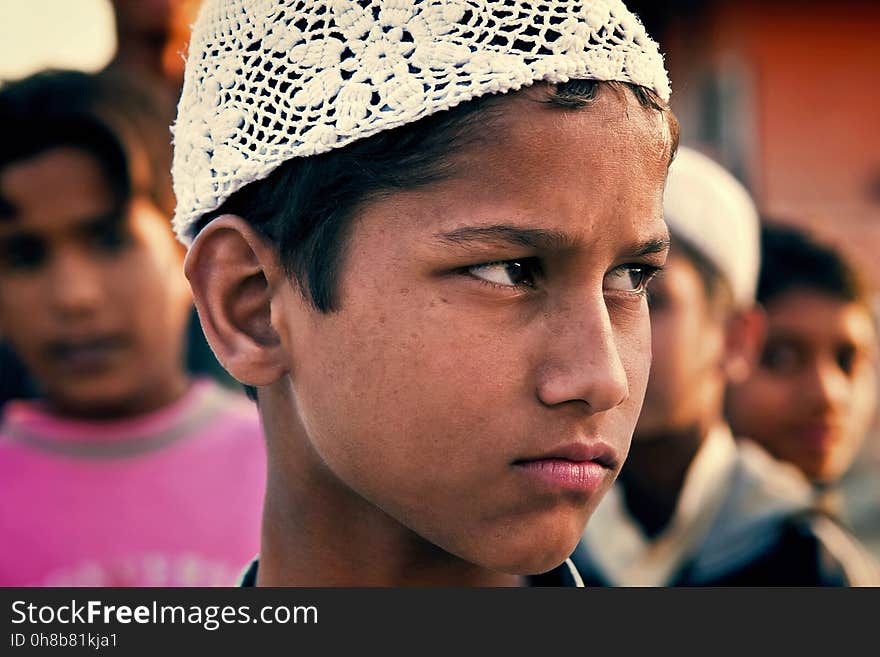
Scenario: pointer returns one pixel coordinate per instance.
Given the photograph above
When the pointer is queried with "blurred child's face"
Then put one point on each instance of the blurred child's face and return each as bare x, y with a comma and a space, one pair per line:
92, 296
812, 397
688, 338
482, 378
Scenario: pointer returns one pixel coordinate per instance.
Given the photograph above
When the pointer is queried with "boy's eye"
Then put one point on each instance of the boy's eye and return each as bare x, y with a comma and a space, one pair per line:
25, 252
846, 358
630, 278
109, 238
508, 273
781, 357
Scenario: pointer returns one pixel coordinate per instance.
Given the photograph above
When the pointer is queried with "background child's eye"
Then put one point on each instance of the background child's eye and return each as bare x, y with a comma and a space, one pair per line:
23, 253
846, 358
781, 357
629, 278
509, 273
109, 238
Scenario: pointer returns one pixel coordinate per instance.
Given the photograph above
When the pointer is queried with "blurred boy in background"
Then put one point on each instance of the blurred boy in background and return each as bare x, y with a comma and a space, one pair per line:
692, 506
126, 472
813, 395
151, 41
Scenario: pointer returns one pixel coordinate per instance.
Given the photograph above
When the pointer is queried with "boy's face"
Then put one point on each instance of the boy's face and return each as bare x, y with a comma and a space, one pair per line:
482, 378
93, 302
812, 397
688, 341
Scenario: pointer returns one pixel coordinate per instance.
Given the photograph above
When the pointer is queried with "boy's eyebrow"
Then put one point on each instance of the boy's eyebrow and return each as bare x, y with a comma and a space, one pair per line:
102, 221
86, 226
653, 245
799, 340
536, 238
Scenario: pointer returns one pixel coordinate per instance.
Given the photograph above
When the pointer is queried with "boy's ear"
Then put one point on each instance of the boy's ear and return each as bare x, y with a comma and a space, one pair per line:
744, 341
233, 273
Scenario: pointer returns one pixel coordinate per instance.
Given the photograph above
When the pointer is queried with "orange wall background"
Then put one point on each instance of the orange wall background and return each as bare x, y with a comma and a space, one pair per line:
813, 119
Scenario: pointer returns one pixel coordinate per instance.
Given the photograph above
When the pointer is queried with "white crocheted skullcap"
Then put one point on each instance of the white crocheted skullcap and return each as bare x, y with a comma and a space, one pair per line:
271, 80
706, 206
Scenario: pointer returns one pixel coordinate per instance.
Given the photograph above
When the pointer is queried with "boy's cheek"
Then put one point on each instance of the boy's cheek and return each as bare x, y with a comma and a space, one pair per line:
21, 324
635, 347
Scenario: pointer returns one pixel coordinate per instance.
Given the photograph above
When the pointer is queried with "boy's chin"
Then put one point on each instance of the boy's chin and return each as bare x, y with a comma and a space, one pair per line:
536, 565
532, 546
524, 560
527, 567
93, 399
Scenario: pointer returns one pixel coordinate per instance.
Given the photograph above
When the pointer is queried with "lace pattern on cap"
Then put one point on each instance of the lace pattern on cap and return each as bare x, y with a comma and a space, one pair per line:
270, 80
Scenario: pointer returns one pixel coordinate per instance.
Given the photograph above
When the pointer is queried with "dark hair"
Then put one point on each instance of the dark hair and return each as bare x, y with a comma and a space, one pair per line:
104, 115
305, 206
792, 259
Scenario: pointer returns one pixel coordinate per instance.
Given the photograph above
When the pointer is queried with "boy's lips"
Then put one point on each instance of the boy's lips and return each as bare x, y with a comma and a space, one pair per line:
818, 436
574, 467
84, 355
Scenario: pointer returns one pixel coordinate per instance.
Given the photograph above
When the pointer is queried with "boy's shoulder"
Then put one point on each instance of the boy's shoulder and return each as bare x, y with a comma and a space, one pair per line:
232, 404
770, 532
220, 411
208, 410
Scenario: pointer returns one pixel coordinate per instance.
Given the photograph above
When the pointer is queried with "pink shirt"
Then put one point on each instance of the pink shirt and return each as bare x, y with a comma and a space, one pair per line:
172, 498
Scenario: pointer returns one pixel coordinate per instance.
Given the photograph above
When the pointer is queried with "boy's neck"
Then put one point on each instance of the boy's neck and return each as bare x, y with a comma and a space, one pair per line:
654, 476
147, 401
309, 540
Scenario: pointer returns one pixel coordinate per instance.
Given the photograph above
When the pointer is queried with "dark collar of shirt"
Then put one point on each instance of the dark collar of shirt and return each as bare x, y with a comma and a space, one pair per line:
565, 574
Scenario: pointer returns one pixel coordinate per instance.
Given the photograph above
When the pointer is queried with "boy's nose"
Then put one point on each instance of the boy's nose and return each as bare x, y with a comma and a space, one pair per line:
75, 285
584, 363
825, 385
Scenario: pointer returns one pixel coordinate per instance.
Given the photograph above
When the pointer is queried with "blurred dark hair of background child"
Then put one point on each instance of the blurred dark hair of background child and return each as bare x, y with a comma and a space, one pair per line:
125, 471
